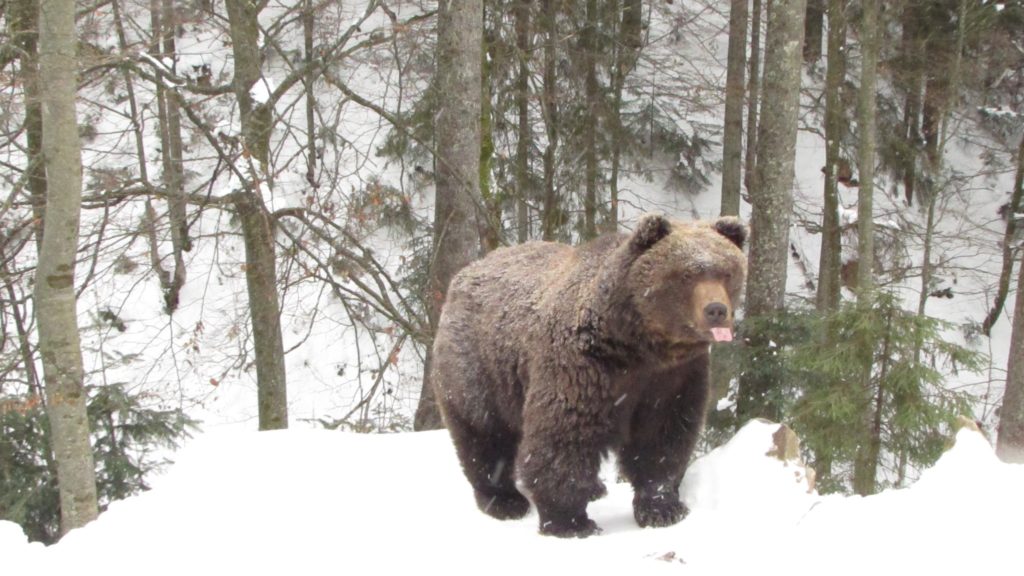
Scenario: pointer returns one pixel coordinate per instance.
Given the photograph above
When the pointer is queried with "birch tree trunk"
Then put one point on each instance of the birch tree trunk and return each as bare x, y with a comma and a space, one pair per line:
56, 312
735, 89
771, 194
458, 219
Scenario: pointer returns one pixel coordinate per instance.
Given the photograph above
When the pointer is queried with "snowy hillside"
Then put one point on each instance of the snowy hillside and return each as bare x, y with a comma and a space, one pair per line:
312, 502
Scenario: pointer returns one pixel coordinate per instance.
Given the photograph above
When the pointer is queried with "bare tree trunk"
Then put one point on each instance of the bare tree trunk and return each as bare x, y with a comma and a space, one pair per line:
257, 117
492, 201
771, 193
56, 313
552, 216
264, 311
814, 27
589, 45
913, 77
308, 24
627, 51
524, 137
735, 88
1010, 445
831, 245
753, 92
866, 462
1012, 209
23, 16
257, 229
458, 221
174, 170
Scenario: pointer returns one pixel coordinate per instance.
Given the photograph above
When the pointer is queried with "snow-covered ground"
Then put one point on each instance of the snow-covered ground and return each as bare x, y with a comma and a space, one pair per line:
306, 501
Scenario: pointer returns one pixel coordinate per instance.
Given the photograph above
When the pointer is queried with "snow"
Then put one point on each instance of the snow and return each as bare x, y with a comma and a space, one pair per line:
317, 501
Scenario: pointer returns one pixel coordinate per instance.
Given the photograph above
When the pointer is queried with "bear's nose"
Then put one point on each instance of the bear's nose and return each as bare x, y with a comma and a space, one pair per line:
716, 313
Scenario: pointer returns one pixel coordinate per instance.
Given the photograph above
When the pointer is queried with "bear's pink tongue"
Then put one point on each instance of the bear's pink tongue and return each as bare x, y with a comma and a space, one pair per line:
721, 334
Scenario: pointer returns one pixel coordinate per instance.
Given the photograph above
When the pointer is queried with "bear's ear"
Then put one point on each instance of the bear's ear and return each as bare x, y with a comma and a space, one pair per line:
652, 227
733, 229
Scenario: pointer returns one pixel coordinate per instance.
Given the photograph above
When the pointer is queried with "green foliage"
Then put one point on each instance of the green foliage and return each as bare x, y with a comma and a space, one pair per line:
814, 364
125, 432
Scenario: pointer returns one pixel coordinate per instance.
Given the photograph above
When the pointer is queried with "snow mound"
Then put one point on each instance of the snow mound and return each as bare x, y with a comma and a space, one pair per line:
317, 501
748, 473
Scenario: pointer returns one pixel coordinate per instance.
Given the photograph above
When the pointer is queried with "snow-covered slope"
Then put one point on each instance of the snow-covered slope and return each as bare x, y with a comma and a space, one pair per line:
322, 502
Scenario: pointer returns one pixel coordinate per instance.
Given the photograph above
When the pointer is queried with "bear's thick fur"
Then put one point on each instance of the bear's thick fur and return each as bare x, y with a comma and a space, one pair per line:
548, 356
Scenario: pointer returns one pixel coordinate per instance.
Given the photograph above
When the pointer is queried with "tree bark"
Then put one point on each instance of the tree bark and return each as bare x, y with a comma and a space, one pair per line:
256, 117
524, 136
753, 93
771, 193
912, 79
23, 16
589, 45
458, 221
264, 311
1012, 209
308, 26
831, 245
866, 462
776, 144
174, 169
552, 216
56, 313
735, 89
257, 229
628, 49
1010, 445
814, 27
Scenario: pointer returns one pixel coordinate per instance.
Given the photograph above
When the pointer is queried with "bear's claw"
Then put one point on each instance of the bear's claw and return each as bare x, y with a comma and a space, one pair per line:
503, 506
658, 512
574, 528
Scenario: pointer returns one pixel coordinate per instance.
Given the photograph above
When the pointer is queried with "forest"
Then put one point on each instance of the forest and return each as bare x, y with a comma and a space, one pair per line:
247, 213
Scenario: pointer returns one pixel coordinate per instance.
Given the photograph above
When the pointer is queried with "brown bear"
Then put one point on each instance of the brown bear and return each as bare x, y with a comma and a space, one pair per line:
547, 357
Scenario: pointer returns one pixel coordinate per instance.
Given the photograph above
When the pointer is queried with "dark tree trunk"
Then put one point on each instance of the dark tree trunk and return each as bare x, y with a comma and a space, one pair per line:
628, 49
591, 88
835, 129
1012, 209
23, 18
753, 92
524, 136
866, 460
814, 27
552, 216
257, 229
735, 89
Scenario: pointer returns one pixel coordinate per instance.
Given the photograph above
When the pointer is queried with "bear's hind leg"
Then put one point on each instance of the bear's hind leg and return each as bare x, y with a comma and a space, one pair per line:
488, 460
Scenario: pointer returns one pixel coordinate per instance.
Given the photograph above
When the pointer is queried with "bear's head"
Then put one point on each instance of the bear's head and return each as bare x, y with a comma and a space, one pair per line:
683, 283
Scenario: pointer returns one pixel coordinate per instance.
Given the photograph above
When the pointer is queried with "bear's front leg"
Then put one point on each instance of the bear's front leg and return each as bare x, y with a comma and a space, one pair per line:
663, 434
561, 477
